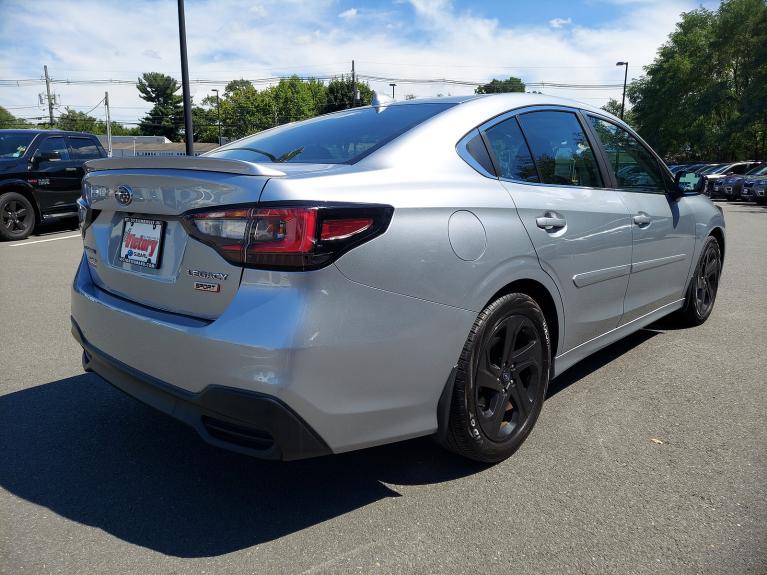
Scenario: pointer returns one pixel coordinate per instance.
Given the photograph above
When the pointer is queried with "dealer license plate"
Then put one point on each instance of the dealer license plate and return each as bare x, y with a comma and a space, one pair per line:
142, 242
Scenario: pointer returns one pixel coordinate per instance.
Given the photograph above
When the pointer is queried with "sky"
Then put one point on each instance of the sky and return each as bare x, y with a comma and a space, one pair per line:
549, 41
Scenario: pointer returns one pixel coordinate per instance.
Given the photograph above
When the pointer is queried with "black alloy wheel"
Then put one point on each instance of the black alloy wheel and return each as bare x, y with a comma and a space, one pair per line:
507, 377
500, 380
704, 285
17, 217
707, 280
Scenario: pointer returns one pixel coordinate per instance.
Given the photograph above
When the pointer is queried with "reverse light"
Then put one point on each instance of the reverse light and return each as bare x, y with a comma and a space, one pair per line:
287, 237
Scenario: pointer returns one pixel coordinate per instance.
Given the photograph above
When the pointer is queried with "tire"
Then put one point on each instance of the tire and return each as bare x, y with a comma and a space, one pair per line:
701, 293
501, 380
17, 217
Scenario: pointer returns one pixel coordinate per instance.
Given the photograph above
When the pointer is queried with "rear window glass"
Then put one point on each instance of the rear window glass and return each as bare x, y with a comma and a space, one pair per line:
340, 138
511, 152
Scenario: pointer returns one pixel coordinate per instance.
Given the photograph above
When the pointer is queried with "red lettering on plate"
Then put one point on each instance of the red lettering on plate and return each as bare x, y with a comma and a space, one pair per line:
140, 243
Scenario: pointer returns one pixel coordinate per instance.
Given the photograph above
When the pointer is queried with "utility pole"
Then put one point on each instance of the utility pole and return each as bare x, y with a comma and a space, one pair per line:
354, 87
48, 92
625, 78
218, 114
109, 126
188, 132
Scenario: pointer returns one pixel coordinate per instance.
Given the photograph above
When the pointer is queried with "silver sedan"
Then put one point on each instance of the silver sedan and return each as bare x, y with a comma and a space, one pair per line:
386, 272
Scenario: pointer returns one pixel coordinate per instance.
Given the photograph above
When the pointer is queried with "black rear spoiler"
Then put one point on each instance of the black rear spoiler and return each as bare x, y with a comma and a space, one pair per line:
197, 163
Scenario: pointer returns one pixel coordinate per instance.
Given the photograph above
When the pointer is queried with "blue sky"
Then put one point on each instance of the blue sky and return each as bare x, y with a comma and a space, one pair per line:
469, 40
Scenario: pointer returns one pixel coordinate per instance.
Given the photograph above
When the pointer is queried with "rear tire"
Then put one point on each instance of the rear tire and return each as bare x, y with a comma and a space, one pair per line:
701, 293
17, 217
501, 380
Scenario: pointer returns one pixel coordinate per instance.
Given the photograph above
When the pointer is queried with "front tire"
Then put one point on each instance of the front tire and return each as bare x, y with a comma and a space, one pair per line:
501, 380
17, 217
701, 293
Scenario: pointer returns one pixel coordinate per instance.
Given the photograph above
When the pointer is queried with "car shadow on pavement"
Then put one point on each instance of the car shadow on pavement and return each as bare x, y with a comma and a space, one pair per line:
600, 359
95, 456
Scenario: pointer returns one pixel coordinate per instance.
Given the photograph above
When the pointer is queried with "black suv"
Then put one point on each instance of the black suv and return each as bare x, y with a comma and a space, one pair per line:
40, 176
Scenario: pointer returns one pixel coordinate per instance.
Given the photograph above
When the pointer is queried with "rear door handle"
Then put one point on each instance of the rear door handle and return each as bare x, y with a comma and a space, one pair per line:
642, 219
550, 221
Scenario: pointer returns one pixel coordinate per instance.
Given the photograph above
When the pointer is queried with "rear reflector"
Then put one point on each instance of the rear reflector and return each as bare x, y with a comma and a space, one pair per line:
290, 237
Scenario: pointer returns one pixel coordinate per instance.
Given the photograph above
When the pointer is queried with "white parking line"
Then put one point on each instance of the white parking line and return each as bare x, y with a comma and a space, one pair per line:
41, 241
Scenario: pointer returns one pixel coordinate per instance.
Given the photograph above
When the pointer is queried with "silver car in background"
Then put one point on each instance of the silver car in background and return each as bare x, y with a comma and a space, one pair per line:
386, 272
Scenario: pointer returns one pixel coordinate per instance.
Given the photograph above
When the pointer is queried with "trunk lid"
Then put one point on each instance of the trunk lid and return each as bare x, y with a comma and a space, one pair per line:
136, 206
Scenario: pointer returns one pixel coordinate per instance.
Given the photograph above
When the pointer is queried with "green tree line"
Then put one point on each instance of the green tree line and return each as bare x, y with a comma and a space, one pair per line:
704, 97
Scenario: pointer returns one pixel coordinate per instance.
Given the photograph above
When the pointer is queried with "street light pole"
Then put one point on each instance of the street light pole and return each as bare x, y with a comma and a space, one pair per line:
188, 132
218, 113
625, 78
392, 90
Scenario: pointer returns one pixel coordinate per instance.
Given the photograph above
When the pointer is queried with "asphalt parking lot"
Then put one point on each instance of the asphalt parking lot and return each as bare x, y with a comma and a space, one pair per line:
650, 457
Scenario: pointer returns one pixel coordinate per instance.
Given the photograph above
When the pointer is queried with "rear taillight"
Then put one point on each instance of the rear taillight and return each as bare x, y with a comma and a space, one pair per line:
287, 237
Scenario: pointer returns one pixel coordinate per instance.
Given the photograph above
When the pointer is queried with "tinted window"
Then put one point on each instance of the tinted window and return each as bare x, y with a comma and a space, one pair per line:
635, 167
55, 148
84, 148
478, 151
741, 169
14, 145
343, 137
560, 149
511, 152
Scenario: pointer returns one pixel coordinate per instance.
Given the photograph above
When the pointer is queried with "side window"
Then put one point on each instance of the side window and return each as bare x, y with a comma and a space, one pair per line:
741, 169
511, 152
636, 169
83, 148
478, 151
53, 149
560, 148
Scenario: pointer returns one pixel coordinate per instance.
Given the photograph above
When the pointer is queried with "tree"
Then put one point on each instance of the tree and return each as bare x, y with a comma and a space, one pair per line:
341, 94
9, 121
76, 121
495, 86
166, 116
696, 99
613, 107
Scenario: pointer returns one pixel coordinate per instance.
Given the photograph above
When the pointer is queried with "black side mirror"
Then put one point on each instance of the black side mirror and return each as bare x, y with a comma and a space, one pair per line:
688, 182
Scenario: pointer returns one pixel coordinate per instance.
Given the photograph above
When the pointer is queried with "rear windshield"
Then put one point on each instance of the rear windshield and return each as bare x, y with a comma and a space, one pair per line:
14, 145
341, 138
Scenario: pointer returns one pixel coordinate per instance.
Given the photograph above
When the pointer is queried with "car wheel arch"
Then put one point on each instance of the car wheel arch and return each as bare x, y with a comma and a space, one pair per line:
718, 235
548, 302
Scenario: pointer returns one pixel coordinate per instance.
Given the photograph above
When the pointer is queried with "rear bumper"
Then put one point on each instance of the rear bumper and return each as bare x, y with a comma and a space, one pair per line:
235, 419
351, 366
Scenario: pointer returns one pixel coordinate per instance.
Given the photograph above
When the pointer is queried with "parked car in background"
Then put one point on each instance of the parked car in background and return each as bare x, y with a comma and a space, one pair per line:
714, 176
40, 177
386, 272
731, 187
754, 187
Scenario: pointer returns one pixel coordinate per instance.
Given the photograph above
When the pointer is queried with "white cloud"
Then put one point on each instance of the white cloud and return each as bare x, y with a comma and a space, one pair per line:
348, 14
230, 39
560, 22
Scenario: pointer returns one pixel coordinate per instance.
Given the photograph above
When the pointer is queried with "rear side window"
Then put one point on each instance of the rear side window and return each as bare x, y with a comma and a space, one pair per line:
511, 152
560, 149
84, 148
340, 138
636, 169
53, 149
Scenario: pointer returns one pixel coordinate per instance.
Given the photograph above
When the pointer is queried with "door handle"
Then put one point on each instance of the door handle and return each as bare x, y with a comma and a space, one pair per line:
550, 221
71, 169
642, 219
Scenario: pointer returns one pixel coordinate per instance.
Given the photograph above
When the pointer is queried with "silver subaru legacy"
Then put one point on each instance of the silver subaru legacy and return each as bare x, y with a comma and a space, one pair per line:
386, 272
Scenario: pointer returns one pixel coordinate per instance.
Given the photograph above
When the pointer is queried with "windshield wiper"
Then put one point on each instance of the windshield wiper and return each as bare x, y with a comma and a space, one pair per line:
287, 156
